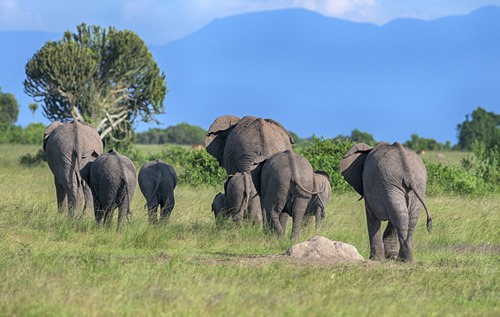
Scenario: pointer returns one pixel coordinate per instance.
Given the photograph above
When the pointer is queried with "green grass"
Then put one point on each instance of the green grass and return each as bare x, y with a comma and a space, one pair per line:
54, 266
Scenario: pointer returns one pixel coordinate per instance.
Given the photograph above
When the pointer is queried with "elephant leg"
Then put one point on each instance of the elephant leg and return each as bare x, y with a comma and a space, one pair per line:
375, 236
166, 208
320, 214
283, 220
88, 200
390, 241
98, 213
62, 203
298, 210
75, 197
275, 221
399, 217
153, 213
123, 211
108, 215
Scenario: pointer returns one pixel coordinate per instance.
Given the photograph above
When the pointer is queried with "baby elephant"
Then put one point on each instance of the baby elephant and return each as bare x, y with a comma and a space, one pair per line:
240, 200
112, 179
157, 181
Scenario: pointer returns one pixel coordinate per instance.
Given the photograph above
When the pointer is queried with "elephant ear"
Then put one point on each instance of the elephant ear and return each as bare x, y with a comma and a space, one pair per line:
85, 172
54, 125
282, 127
215, 140
352, 164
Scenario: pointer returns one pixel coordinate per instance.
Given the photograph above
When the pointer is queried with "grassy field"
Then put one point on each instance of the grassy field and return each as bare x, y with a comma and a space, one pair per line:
51, 265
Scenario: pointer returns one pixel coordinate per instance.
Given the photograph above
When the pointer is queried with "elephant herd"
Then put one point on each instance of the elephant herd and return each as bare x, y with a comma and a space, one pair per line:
267, 182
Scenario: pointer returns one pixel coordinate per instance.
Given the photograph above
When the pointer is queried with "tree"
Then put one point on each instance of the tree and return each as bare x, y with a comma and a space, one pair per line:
484, 127
107, 78
363, 137
417, 143
33, 108
183, 133
9, 109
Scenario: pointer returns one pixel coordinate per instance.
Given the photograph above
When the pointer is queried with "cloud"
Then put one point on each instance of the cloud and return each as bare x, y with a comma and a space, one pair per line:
14, 17
338, 8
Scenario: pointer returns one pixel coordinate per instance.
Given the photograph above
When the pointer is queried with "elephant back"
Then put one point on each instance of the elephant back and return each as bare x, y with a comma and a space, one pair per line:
252, 141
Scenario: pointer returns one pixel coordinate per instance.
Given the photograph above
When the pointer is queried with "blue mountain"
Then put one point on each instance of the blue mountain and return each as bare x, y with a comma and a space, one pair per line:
325, 76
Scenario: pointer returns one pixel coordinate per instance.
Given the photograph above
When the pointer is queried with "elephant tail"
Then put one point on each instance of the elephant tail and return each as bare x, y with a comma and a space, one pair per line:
157, 185
296, 178
429, 219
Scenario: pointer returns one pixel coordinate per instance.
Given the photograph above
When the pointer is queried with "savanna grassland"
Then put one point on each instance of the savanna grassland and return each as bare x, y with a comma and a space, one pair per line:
51, 265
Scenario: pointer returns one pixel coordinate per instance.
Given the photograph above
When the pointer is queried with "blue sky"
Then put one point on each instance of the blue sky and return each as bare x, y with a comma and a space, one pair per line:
161, 21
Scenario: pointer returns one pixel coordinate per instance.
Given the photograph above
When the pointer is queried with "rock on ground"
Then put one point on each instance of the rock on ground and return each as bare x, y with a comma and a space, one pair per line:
319, 247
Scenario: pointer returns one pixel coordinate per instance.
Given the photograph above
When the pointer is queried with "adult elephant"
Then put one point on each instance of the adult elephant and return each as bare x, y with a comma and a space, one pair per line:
288, 185
240, 144
157, 181
69, 148
392, 179
112, 179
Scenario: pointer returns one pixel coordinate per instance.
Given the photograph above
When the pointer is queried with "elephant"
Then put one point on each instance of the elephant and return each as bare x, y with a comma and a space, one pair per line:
242, 200
392, 180
69, 148
241, 144
288, 188
317, 205
219, 206
112, 179
157, 181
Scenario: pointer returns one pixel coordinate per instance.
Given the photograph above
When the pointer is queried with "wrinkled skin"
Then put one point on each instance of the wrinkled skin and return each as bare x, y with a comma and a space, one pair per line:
287, 188
392, 179
157, 181
240, 145
112, 178
69, 148
242, 200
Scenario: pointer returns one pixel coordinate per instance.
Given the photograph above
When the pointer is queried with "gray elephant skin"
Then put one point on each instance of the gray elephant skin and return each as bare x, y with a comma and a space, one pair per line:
112, 178
69, 148
241, 199
157, 181
392, 179
219, 207
288, 189
241, 144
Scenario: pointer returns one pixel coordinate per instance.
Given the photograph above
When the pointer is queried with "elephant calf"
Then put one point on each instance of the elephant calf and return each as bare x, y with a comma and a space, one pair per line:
112, 180
290, 186
392, 179
157, 181
240, 200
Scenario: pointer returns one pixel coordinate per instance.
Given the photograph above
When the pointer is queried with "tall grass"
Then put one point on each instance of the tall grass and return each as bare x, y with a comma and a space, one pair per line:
51, 265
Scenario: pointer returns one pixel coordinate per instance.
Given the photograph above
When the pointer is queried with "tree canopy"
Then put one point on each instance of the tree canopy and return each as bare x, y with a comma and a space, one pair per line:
9, 109
363, 137
182, 133
481, 126
104, 77
417, 143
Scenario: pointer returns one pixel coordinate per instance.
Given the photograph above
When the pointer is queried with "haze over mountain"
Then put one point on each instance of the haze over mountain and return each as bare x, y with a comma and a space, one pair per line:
318, 75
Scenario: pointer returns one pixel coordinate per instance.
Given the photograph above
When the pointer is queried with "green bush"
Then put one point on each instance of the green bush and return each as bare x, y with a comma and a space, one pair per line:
451, 179
33, 159
174, 155
200, 168
485, 163
325, 155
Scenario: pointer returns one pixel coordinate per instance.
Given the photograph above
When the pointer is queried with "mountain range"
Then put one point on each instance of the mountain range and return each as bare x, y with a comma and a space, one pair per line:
315, 74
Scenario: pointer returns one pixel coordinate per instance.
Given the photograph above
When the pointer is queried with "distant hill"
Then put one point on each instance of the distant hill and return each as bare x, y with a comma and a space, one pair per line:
325, 76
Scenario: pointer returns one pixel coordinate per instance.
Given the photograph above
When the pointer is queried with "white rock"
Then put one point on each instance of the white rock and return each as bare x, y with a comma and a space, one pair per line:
319, 247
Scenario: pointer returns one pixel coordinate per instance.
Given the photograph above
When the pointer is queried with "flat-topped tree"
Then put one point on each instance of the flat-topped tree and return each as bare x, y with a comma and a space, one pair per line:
104, 77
